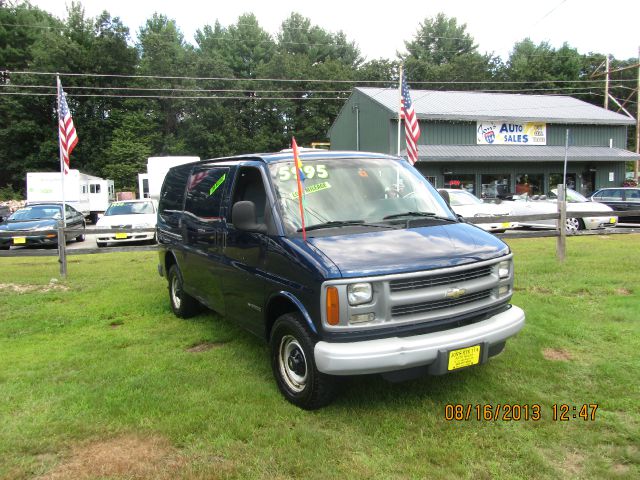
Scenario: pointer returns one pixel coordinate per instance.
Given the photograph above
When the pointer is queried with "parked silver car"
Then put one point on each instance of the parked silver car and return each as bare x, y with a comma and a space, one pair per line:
531, 205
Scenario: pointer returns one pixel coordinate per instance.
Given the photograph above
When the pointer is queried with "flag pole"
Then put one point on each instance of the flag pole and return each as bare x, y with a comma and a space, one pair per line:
399, 127
299, 173
399, 108
64, 209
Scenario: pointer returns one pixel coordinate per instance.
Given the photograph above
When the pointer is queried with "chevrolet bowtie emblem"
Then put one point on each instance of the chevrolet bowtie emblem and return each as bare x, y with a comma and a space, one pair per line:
455, 293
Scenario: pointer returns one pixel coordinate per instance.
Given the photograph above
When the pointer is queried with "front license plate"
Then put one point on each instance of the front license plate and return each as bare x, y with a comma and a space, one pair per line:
505, 224
19, 240
612, 220
121, 235
464, 357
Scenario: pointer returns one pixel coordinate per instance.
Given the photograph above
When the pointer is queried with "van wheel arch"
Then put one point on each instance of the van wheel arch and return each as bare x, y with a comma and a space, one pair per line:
169, 260
282, 304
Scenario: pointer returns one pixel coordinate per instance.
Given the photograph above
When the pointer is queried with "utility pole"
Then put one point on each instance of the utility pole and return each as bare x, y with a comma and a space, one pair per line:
606, 84
637, 162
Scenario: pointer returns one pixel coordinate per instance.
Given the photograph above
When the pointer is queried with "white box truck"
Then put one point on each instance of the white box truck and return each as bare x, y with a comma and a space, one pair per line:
149, 183
88, 194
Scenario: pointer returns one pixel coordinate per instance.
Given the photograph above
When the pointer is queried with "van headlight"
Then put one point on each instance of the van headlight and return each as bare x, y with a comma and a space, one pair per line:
504, 269
359, 293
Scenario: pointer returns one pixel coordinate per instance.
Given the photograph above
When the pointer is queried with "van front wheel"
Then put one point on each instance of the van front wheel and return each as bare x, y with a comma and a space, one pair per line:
182, 304
294, 366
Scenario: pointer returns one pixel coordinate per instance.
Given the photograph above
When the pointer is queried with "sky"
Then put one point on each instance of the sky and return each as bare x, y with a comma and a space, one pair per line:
380, 31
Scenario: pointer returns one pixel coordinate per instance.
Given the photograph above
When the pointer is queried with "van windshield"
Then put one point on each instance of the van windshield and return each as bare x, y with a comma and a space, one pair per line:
368, 190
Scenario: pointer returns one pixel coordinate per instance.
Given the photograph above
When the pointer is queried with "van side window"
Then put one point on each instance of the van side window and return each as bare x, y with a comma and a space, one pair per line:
249, 186
172, 197
205, 189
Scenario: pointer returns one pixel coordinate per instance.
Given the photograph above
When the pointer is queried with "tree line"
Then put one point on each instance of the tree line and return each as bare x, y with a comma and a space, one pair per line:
237, 89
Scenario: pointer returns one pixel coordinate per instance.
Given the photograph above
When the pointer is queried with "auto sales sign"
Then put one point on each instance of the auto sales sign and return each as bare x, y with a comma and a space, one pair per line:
504, 133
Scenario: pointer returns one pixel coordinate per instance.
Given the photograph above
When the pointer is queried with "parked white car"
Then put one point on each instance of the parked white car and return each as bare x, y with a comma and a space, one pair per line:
526, 205
468, 205
128, 214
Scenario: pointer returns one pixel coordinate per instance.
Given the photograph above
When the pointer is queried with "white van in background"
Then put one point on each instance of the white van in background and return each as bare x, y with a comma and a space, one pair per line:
150, 183
89, 194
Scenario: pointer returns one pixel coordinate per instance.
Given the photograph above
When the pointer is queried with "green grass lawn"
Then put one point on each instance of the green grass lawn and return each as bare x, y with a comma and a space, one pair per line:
99, 380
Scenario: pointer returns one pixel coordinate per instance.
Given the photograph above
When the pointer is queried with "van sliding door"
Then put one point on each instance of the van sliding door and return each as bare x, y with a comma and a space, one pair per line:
202, 226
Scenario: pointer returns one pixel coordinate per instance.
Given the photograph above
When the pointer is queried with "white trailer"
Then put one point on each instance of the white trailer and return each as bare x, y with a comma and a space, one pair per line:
88, 194
150, 183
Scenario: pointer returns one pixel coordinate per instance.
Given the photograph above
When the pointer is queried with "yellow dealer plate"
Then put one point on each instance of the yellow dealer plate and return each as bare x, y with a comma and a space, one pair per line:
464, 357
19, 240
121, 235
612, 220
505, 224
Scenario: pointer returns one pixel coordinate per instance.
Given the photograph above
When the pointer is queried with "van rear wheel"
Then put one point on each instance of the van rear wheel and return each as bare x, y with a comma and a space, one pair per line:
294, 366
182, 304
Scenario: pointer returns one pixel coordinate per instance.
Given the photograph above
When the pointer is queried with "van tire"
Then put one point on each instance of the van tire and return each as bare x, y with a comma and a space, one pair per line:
182, 304
294, 367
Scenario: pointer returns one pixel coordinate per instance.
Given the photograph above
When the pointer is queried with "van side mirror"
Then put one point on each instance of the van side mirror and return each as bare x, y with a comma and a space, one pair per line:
445, 195
243, 216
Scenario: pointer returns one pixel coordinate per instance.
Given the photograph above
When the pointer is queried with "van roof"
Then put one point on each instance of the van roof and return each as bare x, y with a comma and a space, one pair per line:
304, 154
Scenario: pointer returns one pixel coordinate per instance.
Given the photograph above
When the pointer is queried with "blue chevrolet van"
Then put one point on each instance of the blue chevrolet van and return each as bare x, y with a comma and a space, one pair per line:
387, 281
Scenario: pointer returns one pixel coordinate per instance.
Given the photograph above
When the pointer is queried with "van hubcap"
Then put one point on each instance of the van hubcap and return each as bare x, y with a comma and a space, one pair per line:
175, 291
292, 363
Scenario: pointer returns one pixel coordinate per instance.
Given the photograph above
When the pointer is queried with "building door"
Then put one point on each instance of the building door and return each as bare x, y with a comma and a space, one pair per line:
588, 182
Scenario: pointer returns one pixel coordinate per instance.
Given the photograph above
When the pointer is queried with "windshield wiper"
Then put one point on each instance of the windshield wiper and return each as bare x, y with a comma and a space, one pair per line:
409, 214
418, 214
343, 223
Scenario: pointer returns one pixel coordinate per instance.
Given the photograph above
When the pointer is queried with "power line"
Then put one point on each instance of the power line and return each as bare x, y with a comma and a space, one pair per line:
307, 80
203, 90
309, 91
549, 12
178, 97
256, 98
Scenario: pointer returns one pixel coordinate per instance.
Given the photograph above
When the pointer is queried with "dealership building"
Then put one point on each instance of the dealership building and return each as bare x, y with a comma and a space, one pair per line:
493, 143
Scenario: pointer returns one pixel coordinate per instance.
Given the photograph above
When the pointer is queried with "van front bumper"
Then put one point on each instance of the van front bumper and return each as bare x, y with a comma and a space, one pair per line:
399, 353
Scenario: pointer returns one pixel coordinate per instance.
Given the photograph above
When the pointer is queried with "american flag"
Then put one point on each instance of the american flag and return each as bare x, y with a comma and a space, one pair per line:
68, 136
411, 127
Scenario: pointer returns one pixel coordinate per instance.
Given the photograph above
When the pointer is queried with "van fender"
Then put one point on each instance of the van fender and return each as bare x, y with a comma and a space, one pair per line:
303, 311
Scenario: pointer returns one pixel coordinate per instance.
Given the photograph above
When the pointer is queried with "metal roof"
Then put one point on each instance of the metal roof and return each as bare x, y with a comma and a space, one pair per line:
474, 106
518, 153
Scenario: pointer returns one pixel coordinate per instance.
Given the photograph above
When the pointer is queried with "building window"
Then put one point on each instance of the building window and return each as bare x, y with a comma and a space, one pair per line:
495, 186
463, 181
555, 179
529, 184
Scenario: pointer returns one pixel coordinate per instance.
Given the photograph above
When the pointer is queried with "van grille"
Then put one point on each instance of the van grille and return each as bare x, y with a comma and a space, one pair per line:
443, 279
423, 307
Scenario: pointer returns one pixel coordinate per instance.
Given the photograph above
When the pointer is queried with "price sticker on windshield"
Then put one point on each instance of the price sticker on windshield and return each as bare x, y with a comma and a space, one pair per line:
286, 173
312, 189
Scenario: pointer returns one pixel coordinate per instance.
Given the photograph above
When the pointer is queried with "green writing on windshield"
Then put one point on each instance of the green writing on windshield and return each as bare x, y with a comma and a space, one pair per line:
217, 184
312, 189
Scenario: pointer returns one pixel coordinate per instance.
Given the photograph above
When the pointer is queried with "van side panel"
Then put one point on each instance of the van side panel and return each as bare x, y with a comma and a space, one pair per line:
170, 207
203, 230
